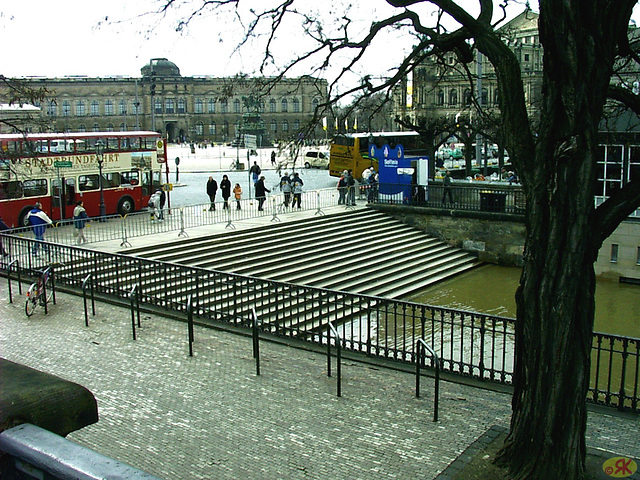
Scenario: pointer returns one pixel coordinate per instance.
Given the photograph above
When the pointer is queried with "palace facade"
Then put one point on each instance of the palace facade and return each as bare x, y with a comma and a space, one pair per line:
195, 109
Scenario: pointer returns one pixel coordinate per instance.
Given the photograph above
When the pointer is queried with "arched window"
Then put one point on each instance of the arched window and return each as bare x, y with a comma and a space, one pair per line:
440, 100
296, 105
122, 107
453, 96
224, 106
170, 106
315, 102
108, 107
274, 126
212, 128
95, 108
296, 125
66, 109
467, 96
96, 127
110, 127
158, 105
485, 96
82, 127
212, 105
80, 110
272, 105
199, 128
285, 126
52, 108
236, 106
285, 105
182, 106
123, 127
199, 106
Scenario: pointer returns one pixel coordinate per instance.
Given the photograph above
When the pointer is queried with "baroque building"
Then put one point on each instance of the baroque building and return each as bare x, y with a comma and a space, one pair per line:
196, 109
446, 88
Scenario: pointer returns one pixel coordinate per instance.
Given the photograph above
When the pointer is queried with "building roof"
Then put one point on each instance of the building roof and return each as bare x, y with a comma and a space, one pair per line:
160, 67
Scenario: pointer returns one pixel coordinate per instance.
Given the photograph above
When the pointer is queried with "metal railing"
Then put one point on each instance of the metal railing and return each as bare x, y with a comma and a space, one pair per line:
180, 219
475, 196
467, 343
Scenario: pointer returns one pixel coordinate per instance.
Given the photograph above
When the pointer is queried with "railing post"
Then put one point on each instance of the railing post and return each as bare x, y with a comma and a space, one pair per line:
256, 340
84, 297
9, 270
420, 345
123, 223
182, 232
133, 297
190, 324
621, 395
330, 329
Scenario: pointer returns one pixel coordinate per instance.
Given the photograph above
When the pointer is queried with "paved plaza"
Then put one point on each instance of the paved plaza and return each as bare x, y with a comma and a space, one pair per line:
211, 417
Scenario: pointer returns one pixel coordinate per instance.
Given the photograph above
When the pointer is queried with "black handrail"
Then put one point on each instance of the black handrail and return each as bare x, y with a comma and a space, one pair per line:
330, 329
87, 280
421, 346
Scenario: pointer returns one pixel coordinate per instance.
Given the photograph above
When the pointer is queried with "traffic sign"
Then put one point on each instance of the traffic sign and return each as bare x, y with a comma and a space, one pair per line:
66, 164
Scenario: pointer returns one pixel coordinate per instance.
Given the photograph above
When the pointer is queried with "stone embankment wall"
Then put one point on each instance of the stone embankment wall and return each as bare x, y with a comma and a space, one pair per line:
495, 237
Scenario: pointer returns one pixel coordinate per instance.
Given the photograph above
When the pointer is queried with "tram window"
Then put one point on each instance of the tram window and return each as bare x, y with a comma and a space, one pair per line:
111, 180
70, 189
10, 190
34, 188
130, 178
88, 182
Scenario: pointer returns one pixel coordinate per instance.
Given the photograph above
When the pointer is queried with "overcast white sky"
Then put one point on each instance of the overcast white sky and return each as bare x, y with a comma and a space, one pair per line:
62, 37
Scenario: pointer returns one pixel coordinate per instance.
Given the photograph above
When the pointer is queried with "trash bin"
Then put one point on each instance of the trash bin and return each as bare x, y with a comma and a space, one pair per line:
492, 201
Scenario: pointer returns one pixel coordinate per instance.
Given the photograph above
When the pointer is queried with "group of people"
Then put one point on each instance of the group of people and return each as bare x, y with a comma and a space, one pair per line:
292, 184
225, 191
346, 188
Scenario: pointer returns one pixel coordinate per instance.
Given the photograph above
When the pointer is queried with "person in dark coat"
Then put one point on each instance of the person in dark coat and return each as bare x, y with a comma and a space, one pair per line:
225, 188
3, 226
212, 189
261, 193
163, 200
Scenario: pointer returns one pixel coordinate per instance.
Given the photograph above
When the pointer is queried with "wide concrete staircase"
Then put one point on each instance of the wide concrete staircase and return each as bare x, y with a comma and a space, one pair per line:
361, 251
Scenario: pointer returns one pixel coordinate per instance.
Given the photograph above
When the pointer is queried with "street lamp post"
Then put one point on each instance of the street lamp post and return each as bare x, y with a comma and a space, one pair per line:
100, 157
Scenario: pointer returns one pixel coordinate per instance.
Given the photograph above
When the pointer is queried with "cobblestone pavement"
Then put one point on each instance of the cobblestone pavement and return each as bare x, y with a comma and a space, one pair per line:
211, 417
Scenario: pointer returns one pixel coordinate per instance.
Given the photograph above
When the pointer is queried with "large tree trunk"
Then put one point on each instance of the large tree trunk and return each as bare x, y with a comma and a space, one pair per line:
555, 300
554, 330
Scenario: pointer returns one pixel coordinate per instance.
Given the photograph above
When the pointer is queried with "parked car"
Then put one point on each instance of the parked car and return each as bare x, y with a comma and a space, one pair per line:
316, 159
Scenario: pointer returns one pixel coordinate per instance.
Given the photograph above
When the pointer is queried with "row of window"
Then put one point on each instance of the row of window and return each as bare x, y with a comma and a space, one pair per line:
466, 97
166, 106
615, 250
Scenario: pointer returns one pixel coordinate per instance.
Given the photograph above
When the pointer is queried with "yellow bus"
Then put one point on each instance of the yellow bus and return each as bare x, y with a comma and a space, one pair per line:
351, 151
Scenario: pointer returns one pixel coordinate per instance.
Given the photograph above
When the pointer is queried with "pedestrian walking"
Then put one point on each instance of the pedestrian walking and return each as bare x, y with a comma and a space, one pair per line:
237, 193
225, 189
80, 221
342, 188
273, 158
446, 188
212, 189
255, 172
261, 193
296, 187
285, 187
154, 205
38, 221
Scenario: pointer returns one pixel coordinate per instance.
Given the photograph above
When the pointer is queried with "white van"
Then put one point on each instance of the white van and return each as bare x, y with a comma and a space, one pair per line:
316, 159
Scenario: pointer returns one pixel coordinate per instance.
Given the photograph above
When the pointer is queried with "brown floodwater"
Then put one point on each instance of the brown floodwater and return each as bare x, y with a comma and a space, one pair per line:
491, 289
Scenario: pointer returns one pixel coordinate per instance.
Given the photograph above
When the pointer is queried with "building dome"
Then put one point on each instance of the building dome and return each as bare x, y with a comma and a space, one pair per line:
160, 67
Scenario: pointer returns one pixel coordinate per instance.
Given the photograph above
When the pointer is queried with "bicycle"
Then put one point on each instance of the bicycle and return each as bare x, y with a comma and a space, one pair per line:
39, 293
